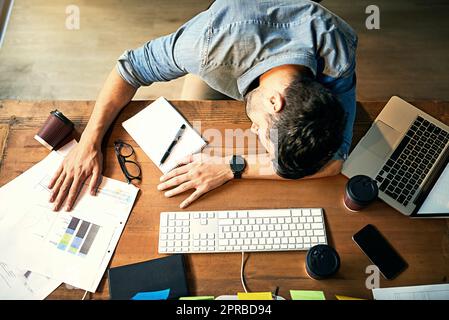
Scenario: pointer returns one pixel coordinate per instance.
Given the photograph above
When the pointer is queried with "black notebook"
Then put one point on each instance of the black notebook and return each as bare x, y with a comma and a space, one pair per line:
154, 275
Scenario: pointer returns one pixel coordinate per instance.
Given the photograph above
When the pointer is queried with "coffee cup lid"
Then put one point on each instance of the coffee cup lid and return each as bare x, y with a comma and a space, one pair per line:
362, 189
62, 117
322, 261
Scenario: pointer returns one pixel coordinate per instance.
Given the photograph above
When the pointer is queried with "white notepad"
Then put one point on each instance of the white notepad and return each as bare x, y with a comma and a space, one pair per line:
155, 127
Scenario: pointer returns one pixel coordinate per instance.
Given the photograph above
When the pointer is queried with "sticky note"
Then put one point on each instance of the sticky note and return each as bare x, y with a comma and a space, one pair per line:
198, 298
347, 298
152, 295
307, 295
255, 296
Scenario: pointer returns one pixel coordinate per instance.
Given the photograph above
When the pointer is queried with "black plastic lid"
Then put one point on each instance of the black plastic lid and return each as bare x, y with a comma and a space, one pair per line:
62, 117
322, 261
362, 189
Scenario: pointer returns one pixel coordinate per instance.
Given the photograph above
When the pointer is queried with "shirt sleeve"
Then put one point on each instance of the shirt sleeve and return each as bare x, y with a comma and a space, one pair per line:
345, 91
152, 62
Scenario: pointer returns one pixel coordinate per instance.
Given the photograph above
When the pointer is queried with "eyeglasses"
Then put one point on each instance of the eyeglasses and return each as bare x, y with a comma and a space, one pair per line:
131, 169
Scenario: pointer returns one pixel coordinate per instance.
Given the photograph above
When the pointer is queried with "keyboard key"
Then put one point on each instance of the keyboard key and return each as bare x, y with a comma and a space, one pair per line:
242, 214
223, 222
222, 215
296, 212
164, 220
273, 213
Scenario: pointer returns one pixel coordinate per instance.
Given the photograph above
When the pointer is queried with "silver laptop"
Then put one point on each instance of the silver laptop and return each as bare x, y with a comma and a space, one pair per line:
405, 151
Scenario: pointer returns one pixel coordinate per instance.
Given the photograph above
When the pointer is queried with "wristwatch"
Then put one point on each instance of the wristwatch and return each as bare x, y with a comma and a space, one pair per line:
238, 165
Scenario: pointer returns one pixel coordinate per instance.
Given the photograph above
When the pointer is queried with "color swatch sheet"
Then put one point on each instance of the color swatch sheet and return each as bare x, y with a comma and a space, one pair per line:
72, 247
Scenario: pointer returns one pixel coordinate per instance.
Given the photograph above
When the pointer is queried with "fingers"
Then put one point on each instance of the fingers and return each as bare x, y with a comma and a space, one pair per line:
57, 186
94, 182
176, 172
63, 191
176, 181
73, 193
180, 189
55, 177
186, 160
198, 193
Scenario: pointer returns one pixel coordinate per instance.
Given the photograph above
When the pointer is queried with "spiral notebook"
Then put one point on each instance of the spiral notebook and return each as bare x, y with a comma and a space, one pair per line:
154, 128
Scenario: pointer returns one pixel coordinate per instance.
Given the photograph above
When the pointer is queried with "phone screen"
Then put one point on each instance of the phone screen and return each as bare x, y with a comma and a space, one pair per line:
379, 251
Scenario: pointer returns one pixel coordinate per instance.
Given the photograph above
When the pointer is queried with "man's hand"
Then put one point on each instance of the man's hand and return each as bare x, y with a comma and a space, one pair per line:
83, 162
200, 172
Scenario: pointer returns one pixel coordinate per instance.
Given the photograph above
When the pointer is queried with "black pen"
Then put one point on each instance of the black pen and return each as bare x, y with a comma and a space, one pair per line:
173, 143
276, 293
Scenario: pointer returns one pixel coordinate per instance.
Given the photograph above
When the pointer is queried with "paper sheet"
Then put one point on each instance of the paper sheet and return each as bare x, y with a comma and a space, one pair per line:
426, 292
346, 298
154, 128
152, 295
70, 247
438, 199
307, 295
18, 284
255, 296
198, 298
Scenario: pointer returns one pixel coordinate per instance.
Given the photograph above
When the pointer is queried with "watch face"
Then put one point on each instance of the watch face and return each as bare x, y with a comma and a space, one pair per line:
237, 164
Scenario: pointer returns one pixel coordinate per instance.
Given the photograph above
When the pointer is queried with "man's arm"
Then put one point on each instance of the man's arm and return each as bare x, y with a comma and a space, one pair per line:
204, 173
85, 160
154, 61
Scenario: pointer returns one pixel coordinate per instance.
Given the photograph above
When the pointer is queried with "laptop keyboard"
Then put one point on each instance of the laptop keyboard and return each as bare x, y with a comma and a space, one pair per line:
410, 162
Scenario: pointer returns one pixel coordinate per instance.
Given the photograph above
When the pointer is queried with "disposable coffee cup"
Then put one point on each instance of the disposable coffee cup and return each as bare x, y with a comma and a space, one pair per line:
55, 129
322, 261
360, 191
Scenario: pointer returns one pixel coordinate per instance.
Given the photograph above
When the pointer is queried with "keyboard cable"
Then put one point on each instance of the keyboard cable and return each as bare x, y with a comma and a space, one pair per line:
242, 276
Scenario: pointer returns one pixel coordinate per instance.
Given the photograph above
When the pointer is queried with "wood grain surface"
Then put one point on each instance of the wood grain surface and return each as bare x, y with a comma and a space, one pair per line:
423, 243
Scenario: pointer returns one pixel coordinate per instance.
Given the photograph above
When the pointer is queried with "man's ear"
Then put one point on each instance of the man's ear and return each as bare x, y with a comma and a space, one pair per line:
277, 102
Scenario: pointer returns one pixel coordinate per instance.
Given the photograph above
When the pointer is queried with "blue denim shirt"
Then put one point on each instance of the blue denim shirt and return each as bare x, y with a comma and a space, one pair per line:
235, 41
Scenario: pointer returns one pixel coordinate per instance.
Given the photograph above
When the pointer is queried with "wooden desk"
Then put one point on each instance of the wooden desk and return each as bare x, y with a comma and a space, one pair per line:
423, 243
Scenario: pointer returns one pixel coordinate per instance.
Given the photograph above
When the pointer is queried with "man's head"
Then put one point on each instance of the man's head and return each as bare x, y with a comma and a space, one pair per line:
298, 121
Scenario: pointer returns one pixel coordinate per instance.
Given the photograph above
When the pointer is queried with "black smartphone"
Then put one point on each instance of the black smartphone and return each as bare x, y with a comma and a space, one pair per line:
380, 252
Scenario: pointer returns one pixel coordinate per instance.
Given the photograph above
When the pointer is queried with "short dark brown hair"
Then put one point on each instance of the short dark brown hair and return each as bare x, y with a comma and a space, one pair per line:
309, 129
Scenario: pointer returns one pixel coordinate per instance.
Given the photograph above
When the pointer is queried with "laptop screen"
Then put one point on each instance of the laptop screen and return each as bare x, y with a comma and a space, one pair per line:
437, 202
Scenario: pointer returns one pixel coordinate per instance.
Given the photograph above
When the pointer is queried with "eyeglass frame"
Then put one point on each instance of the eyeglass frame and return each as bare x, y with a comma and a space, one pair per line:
122, 160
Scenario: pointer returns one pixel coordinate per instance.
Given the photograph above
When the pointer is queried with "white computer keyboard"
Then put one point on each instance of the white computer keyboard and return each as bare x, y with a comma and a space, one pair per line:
242, 230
